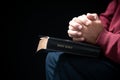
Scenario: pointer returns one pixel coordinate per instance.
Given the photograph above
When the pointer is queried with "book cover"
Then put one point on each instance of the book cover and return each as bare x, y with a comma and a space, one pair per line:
68, 46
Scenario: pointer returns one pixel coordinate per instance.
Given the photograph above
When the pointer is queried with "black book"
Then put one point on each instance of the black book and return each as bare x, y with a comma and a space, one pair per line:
68, 46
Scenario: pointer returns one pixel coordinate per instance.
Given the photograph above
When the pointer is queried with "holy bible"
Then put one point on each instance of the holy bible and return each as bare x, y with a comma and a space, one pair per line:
68, 46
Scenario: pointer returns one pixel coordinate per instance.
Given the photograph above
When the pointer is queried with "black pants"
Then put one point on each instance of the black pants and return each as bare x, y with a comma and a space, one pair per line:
61, 66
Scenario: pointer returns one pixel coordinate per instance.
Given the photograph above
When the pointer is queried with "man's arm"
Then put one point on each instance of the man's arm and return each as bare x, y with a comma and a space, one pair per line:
106, 17
110, 40
110, 43
94, 32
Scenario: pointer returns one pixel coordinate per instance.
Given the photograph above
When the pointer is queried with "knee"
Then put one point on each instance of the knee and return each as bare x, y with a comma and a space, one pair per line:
52, 58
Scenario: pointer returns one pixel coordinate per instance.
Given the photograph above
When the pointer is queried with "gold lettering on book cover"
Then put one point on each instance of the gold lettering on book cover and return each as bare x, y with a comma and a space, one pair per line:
67, 46
64, 46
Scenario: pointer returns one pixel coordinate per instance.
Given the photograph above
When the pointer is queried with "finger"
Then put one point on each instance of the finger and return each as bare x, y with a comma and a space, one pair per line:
84, 20
75, 34
71, 28
92, 16
75, 25
79, 39
75, 19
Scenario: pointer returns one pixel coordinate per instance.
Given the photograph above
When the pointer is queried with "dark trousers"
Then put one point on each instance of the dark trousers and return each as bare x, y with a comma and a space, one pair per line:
61, 66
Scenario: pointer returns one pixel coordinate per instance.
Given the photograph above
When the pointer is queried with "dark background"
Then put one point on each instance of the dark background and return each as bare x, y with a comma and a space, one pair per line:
28, 19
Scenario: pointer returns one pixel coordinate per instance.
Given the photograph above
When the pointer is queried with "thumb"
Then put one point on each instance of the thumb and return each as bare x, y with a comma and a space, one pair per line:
92, 16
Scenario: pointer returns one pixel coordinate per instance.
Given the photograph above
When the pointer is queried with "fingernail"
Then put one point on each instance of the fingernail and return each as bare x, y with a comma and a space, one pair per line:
82, 39
88, 23
80, 27
79, 33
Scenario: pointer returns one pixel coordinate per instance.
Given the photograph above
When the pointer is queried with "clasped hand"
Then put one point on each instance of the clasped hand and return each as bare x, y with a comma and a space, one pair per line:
85, 28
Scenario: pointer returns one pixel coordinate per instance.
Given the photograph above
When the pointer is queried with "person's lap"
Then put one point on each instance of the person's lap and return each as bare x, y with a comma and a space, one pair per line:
71, 67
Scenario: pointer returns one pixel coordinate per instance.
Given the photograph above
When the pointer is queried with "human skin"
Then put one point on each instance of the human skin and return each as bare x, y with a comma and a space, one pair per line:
85, 28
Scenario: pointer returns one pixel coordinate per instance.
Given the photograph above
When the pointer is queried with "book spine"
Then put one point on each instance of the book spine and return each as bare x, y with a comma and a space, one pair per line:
73, 48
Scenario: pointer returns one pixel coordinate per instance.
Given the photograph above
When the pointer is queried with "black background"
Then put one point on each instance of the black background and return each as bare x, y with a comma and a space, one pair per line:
28, 19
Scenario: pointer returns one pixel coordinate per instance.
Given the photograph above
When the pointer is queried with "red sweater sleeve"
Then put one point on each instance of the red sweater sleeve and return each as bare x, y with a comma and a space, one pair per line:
109, 38
110, 43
